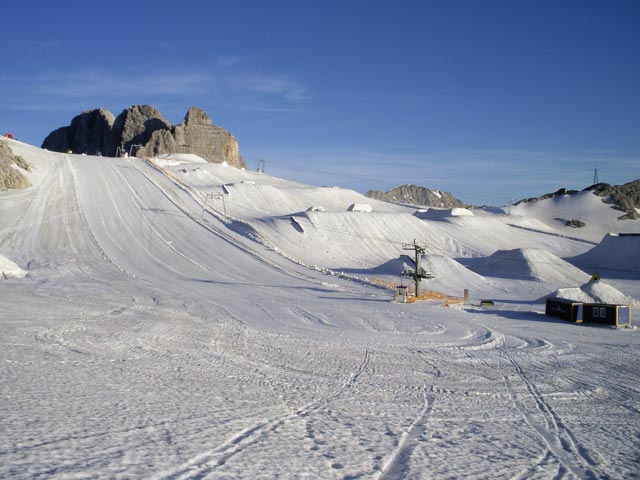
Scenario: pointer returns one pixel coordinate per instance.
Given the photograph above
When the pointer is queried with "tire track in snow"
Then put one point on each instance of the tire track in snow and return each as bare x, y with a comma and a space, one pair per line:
208, 461
558, 438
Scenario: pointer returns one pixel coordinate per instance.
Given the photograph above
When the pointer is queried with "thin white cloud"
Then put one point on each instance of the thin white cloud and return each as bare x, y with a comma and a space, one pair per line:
236, 89
229, 61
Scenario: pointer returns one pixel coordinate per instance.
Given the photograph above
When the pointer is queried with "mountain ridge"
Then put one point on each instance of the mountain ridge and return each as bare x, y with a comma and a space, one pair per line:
141, 129
625, 197
416, 195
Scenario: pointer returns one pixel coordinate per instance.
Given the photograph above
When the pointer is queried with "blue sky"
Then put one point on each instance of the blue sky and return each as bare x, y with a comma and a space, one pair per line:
490, 100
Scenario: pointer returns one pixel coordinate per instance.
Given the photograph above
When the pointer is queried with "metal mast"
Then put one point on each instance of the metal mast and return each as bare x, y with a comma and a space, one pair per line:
418, 273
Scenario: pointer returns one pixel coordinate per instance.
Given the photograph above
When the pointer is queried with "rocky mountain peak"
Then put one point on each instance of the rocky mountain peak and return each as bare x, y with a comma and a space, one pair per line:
136, 124
142, 130
418, 196
196, 116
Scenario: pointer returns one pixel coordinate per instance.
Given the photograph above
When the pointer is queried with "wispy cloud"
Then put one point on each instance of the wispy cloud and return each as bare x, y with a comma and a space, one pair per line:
229, 61
235, 88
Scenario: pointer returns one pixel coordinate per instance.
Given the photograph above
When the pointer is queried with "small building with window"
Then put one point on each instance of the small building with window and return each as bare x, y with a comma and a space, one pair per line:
564, 308
608, 314
575, 311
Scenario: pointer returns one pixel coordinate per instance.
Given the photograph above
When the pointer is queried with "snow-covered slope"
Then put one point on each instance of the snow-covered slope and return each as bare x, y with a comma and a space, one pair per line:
618, 255
352, 239
599, 217
530, 264
153, 338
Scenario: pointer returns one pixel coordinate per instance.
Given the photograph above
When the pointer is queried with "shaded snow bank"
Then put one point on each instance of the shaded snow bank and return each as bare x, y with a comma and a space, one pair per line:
529, 264
614, 252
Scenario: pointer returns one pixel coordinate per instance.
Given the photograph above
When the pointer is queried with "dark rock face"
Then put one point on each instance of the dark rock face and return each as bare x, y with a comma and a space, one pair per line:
89, 132
418, 196
58, 140
557, 193
142, 130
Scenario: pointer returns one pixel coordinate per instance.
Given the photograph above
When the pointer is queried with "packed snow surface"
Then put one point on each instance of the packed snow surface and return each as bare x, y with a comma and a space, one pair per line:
160, 336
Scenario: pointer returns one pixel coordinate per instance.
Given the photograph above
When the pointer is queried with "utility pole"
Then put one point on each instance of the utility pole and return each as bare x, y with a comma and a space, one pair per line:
595, 176
216, 196
418, 273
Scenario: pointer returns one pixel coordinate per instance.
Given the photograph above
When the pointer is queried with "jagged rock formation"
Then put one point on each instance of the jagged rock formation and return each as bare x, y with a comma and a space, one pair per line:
557, 193
135, 126
196, 134
11, 176
143, 130
89, 132
625, 198
416, 195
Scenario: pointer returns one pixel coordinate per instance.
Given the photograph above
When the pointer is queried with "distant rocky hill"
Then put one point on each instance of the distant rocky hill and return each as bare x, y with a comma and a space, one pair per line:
11, 167
143, 130
625, 198
416, 195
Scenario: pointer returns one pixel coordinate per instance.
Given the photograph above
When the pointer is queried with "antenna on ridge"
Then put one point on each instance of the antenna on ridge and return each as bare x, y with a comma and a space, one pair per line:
595, 176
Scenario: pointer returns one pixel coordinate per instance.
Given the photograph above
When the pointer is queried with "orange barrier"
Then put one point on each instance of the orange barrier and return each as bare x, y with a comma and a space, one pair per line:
453, 301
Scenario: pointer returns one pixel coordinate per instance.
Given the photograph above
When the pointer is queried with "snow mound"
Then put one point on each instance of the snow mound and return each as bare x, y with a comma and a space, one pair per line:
437, 213
596, 291
617, 252
461, 212
8, 269
172, 159
360, 207
529, 264
572, 293
442, 266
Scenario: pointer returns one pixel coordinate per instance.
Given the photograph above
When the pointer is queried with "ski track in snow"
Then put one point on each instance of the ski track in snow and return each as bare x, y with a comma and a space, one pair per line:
207, 462
396, 466
560, 441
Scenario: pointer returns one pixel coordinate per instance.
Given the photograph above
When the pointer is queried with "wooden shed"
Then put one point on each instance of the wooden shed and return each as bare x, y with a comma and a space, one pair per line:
564, 308
607, 314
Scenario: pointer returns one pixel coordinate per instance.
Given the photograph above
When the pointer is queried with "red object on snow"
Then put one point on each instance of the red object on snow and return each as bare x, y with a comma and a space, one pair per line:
9, 135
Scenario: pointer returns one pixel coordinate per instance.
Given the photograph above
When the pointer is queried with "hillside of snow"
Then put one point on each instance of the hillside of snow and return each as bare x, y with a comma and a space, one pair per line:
185, 320
600, 218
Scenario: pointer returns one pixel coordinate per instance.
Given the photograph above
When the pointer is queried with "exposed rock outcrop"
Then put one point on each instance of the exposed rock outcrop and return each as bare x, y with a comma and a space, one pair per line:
89, 132
197, 134
418, 196
11, 168
143, 130
135, 126
625, 198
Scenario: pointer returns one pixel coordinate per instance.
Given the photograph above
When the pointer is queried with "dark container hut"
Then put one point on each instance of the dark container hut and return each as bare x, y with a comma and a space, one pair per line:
564, 308
607, 314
